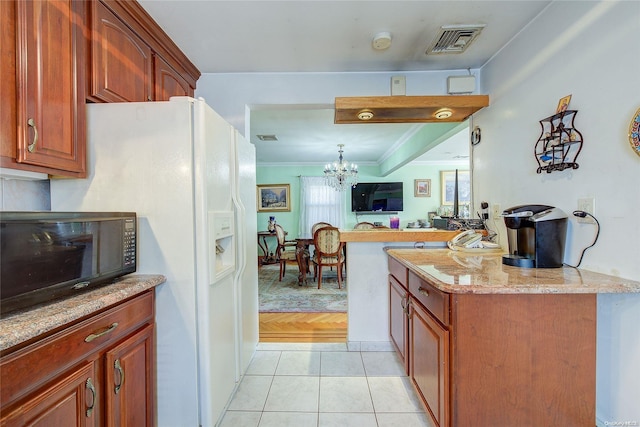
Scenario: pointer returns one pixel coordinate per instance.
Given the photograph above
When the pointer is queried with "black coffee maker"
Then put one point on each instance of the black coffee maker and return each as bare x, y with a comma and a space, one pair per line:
536, 235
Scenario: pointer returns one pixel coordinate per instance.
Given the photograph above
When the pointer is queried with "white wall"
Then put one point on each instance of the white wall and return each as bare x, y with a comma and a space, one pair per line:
231, 94
584, 49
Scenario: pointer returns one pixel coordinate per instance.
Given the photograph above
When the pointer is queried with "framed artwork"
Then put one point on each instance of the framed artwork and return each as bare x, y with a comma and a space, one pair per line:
448, 178
563, 104
422, 187
274, 198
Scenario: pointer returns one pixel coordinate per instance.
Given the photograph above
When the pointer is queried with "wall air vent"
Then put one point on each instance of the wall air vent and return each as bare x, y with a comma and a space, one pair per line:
454, 38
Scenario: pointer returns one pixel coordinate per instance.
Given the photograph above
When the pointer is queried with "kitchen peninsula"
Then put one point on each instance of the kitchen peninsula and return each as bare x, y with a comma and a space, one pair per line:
490, 344
368, 305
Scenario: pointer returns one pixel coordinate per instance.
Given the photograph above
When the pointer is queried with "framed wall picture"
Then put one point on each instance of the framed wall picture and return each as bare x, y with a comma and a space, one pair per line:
422, 187
563, 104
274, 198
447, 179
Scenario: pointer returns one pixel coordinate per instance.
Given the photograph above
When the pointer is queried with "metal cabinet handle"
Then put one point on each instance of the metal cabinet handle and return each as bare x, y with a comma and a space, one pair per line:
95, 335
31, 147
89, 385
405, 305
118, 368
423, 291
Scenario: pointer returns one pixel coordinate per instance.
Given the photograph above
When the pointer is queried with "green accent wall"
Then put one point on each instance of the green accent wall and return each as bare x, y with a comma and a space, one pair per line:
414, 207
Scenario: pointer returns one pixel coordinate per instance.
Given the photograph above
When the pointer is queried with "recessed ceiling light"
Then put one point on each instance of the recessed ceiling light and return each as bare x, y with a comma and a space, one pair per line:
267, 137
365, 115
443, 113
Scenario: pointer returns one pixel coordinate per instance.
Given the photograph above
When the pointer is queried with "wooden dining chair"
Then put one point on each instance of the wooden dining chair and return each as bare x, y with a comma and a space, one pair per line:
286, 250
363, 226
318, 225
314, 228
329, 252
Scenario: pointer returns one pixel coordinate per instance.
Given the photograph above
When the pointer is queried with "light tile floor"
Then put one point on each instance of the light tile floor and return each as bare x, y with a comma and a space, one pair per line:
324, 385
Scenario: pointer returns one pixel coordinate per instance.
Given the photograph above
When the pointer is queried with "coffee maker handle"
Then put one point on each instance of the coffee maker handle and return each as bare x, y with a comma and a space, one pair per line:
523, 214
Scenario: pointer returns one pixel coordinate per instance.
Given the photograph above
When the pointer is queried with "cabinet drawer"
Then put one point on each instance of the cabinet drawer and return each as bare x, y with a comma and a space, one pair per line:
399, 271
26, 369
435, 301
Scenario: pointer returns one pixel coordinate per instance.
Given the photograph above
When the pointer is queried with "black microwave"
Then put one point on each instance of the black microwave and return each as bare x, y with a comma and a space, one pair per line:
49, 255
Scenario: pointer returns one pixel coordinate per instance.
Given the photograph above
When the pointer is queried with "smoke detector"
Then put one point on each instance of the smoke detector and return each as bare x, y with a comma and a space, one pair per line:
454, 38
382, 41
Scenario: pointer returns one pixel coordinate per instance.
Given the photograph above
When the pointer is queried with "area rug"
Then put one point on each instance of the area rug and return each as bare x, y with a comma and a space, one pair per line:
287, 296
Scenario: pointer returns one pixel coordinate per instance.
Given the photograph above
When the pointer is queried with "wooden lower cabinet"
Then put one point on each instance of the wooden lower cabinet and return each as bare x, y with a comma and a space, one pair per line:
488, 360
97, 372
129, 376
67, 401
398, 325
429, 362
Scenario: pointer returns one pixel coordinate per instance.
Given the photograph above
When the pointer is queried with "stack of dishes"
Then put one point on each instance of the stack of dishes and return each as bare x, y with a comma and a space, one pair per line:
421, 223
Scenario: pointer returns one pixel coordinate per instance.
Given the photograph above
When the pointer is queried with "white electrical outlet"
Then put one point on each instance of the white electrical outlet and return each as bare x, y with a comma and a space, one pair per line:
496, 211
587, 204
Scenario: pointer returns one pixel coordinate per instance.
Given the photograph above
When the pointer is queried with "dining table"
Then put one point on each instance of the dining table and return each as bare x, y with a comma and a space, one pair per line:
268, 258
303, 258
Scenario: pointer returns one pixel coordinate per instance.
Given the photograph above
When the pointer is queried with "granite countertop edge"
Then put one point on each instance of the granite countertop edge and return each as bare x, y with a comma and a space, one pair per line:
25, 325
488, 275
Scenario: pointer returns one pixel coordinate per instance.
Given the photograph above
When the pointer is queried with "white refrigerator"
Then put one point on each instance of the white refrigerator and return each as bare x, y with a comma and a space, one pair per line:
190, 177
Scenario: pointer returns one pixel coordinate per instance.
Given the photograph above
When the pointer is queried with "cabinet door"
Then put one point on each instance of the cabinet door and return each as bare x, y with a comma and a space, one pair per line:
168, 82
398, 322
129, 381
429, 362
69, 401
121, 67
8, 79
51, 84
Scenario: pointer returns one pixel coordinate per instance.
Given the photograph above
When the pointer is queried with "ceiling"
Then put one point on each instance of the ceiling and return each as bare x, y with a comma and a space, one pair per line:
333, 36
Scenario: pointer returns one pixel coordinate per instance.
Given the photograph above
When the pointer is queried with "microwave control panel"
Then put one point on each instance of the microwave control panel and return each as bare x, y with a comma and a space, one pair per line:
129, 242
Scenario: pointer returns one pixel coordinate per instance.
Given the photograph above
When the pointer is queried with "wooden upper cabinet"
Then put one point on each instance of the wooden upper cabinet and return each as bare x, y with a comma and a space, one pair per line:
169, 82
121, 62
50, 93
8, 79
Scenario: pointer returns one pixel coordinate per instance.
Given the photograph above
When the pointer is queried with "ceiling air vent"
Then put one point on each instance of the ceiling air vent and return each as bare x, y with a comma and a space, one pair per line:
267, 137
454, 38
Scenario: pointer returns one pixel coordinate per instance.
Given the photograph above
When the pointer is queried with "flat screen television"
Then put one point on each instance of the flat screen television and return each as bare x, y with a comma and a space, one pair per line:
377, 197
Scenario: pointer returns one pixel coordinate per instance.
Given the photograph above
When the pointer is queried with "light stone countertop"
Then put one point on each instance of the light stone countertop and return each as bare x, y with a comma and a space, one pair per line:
27, 324
400, 235
477, 273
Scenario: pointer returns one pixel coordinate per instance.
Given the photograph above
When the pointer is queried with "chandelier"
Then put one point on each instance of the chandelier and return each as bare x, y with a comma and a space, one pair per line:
340, 175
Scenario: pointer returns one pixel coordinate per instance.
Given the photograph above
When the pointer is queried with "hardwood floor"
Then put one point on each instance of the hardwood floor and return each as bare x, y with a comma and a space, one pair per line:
303, 327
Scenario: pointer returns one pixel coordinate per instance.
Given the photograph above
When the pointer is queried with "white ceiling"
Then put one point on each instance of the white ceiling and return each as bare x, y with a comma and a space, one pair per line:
333, 36
313, 132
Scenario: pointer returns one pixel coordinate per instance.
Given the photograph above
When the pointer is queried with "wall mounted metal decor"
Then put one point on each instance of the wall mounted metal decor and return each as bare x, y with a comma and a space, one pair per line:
559, 144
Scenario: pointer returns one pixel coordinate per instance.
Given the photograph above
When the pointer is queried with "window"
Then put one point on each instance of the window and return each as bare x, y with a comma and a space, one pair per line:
319, 203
